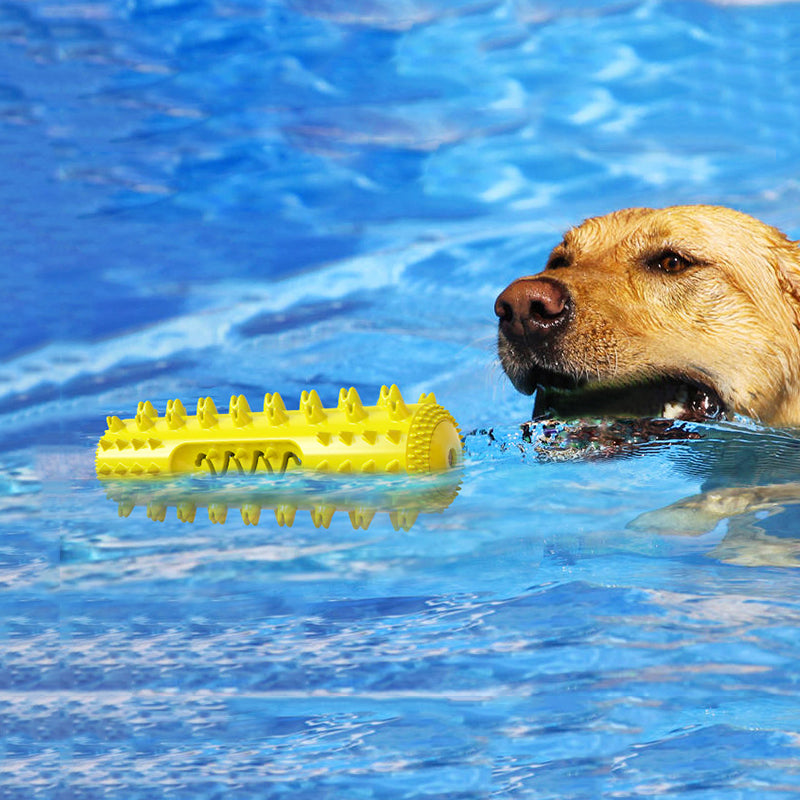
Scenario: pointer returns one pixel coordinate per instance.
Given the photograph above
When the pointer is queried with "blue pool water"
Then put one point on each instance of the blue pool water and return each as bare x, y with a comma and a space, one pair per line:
237, 196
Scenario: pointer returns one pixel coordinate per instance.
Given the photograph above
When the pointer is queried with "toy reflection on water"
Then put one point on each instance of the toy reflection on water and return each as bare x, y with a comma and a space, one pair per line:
403, 497
252, 460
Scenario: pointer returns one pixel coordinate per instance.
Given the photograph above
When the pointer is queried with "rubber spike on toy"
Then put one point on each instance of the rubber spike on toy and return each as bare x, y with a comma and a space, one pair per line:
284, 514
239, 409
409, 519
321, 516
351, 404
361, 517
251, 513
394, 436
403, 519
146, 415
176, 414
206, 412
124, 509
275, 408
427, 399
311, 406
157, 511
217, 512
115, 424
186, 512
392, 401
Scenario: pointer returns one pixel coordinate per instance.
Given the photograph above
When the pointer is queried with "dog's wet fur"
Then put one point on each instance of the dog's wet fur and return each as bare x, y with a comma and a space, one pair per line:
695, 307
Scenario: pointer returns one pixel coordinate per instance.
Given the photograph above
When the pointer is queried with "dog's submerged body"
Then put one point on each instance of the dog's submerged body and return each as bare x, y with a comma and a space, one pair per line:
700, 303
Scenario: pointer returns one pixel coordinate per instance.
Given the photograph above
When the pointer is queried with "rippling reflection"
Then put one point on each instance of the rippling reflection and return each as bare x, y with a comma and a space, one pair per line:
403, 498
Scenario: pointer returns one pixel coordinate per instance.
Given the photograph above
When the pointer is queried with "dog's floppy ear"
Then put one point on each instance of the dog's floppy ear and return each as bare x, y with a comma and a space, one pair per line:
786, 262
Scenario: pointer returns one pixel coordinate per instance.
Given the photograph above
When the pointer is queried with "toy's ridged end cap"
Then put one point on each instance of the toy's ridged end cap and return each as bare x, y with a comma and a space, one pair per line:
434, 443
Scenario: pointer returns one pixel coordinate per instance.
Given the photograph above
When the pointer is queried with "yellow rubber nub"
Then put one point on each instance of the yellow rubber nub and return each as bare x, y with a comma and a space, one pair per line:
433, 440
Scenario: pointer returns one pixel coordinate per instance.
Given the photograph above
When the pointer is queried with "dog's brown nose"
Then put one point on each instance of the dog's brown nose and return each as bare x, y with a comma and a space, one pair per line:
531, 306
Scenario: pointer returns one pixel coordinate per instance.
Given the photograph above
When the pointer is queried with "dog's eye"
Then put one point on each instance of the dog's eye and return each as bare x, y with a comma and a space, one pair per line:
558, 258
670, 262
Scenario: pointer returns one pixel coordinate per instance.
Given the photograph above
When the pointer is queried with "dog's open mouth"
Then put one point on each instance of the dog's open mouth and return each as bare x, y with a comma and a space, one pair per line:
666, 398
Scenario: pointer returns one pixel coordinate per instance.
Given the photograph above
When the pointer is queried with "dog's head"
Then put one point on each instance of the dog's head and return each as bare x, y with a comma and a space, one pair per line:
701, 302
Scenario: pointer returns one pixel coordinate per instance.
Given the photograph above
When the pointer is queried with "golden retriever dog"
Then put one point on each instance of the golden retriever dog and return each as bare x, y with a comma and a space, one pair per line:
700, 305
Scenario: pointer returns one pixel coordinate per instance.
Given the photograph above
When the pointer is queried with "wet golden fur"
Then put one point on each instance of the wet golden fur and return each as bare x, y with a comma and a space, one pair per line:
728, 319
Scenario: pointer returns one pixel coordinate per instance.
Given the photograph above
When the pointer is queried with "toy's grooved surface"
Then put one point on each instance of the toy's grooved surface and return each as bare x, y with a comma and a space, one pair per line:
391, 436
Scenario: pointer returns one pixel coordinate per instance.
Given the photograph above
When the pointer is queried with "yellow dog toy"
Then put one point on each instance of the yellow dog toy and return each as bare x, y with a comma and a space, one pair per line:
392, 436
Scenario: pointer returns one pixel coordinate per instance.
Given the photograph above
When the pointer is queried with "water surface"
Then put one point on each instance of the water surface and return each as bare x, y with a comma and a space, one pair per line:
216, 198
